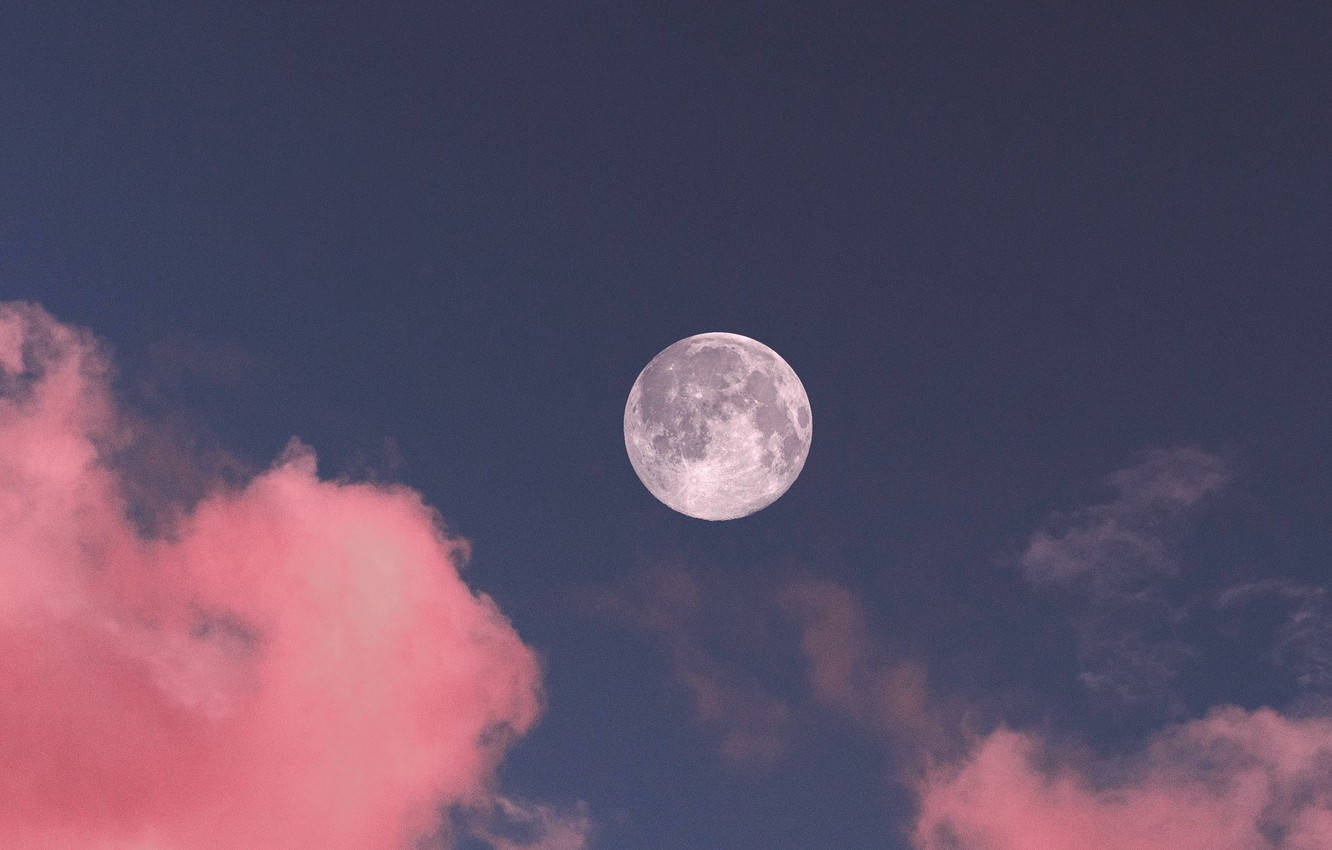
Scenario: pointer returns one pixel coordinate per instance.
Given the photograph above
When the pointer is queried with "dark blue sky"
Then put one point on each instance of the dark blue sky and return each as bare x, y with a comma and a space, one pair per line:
1009, 249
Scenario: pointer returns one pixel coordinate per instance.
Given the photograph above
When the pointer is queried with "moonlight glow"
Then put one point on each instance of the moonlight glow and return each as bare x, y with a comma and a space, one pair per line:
717, 426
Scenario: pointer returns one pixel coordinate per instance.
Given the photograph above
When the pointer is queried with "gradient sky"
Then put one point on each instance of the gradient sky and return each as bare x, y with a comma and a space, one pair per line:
1056, 277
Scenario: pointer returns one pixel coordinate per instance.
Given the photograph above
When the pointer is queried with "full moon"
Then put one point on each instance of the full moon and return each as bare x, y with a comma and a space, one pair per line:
717, 426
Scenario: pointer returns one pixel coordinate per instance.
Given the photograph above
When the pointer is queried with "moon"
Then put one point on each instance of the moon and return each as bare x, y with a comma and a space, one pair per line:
717, 426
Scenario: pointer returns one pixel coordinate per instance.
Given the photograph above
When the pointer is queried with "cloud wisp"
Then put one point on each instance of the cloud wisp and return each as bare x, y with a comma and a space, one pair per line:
1112, 563
752, 725
297, 664
511, 824
854, 675
815, 626
1301, 641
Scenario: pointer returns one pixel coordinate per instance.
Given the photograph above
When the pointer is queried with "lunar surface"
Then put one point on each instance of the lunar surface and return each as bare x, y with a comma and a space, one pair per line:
717, 426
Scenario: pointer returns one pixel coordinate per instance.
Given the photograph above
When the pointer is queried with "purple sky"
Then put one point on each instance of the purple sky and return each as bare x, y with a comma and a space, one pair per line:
1057, 280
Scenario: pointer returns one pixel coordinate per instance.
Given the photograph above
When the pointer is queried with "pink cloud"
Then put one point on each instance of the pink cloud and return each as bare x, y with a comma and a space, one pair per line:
1234, 780
853, 674
299, 664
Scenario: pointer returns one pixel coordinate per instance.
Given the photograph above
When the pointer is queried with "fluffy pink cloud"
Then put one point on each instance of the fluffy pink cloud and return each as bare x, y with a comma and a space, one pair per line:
1234, 780
298, 664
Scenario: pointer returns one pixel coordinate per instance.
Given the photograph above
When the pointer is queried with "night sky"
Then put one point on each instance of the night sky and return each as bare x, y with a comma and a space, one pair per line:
1056, 277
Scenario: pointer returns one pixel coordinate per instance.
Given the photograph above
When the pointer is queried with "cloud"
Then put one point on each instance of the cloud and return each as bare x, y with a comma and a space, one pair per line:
1114, 562
515, 825
853, 674
1234, 780
753, 725
1231, 780
719, 644
1110, 545
297, 664
1302, 638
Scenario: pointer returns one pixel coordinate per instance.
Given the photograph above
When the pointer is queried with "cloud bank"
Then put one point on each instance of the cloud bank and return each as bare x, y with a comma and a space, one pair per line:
1233, 780
297, 664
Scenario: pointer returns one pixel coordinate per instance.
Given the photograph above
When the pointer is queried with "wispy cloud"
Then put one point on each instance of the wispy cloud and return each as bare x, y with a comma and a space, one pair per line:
752, 724
511, 824
850, 671
1109, 546
1301, 640
844, 669
1113, 561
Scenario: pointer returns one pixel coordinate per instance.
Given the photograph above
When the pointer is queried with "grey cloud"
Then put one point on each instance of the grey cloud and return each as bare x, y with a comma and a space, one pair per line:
718, 645
1113, 562
1302, 638
752, 724
1113, 544
512, 824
